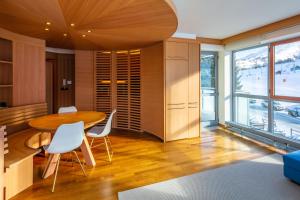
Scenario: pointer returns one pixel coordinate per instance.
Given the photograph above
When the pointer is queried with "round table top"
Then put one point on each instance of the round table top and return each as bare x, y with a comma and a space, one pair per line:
52, 122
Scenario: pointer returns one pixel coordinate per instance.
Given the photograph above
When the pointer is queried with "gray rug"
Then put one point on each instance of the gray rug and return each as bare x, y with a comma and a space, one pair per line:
259, 179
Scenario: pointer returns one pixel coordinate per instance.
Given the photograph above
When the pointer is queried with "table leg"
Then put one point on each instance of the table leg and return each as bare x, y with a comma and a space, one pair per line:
87, 153
51, 164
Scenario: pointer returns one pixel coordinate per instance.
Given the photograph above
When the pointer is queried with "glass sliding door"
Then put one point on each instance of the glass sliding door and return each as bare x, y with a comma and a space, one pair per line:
209, 88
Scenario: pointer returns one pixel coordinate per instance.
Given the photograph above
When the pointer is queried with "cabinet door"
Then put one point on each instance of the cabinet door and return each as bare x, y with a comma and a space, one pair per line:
176, 122
177, 73
194, 91
176, 99
29, 73
177, 50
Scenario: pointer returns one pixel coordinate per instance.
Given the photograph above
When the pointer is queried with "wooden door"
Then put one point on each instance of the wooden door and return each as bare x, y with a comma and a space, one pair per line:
63, 78
49, 86
176, 99
194, 91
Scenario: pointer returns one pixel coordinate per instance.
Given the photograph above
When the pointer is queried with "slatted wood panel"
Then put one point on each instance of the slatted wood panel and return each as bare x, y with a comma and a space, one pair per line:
135, 90
122, 97
103, 81
16, 118
118, 86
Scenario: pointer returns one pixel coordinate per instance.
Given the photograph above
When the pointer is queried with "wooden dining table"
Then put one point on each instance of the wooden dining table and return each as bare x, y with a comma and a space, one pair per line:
50, 123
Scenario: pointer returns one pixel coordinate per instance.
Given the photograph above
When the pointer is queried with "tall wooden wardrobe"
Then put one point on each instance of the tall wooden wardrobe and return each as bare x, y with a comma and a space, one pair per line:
171, 89
155, 89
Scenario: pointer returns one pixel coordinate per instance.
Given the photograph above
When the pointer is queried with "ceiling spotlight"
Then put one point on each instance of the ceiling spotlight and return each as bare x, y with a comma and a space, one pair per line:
72, 24
83, 35
89, 31
48, 23
47, 29
65, 34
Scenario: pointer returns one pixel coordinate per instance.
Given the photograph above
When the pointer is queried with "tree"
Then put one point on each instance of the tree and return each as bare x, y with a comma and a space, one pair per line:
238, 77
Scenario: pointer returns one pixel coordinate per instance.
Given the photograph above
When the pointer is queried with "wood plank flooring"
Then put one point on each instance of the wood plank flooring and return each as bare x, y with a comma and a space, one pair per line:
140, 159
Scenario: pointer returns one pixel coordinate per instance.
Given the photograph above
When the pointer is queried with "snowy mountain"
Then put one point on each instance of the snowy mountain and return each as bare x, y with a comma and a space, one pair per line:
258, 57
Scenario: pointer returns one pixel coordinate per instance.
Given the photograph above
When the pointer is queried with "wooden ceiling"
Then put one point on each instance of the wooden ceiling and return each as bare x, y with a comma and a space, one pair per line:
98, 24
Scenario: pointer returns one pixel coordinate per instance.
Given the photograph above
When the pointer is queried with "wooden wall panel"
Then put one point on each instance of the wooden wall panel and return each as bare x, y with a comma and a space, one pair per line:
16, 118
84, 80
152, 90
29, 73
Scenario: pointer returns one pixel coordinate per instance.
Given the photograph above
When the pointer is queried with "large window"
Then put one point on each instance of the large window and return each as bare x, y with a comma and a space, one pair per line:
266, 85
286, 71
251, 71
251, 87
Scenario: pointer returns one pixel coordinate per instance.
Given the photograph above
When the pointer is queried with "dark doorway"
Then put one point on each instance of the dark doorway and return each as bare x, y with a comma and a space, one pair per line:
63, 79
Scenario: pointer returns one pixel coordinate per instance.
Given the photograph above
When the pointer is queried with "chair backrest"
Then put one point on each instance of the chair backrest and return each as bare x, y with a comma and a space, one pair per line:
68, 109
108, 124
67, 137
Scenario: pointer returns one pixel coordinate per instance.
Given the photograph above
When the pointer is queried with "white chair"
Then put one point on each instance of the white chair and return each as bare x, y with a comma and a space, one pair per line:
66, 139
102, 132
69, 109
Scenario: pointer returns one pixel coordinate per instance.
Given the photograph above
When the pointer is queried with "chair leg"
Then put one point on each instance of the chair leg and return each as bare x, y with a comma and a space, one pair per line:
56, 170
107, 149
91, 145
80, 163
111, 150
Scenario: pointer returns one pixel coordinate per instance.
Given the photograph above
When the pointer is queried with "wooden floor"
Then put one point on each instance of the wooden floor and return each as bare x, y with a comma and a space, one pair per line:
141, 159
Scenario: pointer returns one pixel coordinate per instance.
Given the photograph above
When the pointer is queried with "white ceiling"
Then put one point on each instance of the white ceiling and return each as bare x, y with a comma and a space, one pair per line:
223, 18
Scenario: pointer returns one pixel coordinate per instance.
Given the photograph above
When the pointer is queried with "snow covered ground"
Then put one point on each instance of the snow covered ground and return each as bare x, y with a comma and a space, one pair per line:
256, 115
252, 76
287, 79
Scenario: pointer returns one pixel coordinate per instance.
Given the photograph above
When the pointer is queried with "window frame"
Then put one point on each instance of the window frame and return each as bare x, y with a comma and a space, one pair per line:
273, 96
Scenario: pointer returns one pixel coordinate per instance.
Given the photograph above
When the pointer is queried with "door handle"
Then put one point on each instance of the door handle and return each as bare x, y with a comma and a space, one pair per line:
179, 108
175, 104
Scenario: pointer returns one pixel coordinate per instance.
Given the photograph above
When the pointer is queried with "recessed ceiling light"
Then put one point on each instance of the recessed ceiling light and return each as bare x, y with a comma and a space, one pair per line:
65, 34
47, 29
89, 31
72, 24
83, 35
48, 23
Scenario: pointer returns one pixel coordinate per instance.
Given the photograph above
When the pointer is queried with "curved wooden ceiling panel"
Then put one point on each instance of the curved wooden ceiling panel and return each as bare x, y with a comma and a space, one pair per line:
91, 24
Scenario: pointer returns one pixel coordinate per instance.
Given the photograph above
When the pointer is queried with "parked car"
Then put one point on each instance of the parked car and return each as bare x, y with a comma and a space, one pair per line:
276, 105
294, 111
296, 68
252, 101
